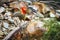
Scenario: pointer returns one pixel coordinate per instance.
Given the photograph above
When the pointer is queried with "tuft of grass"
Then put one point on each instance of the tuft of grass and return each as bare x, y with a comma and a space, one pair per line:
53, 32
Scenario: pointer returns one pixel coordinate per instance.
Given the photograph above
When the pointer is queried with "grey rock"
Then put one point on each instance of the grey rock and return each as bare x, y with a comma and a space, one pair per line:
5, 24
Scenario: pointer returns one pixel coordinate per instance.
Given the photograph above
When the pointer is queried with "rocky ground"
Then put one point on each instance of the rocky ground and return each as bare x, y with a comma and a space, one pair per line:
23, 26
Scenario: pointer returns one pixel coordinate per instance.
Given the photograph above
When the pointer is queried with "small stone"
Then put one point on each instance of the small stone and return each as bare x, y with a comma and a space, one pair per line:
2, 9
5, 24
52, 15
1, 33
5, 33
4, 29
7, 15
1, 16
16, 20
11, 20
